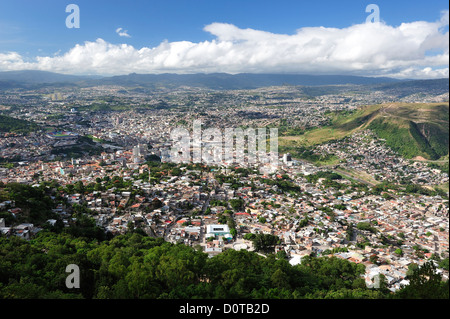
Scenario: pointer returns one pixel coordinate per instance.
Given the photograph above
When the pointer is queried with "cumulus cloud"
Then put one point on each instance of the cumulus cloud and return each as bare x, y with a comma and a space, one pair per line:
411, 50
123, 33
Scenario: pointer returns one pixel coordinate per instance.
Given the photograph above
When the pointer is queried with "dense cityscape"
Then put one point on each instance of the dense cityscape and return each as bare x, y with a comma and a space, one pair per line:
108, 151
217, 158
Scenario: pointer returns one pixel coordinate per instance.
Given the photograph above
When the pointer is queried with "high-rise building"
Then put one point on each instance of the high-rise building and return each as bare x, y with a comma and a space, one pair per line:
136, 155
287, 158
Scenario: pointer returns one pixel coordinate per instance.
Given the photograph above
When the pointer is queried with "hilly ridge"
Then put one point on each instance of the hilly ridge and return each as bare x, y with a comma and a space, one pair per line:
216, 81
35, 76
411, 129
12, 125
313, 85
220, 81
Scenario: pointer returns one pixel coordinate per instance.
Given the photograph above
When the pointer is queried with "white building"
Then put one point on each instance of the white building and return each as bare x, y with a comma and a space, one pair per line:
218, 230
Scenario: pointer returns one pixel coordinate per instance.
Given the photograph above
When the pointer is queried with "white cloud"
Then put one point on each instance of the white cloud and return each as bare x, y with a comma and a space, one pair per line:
123, 33
412, 50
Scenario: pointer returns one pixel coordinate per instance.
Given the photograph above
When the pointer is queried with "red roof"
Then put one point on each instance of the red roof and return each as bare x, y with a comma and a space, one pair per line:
242, 214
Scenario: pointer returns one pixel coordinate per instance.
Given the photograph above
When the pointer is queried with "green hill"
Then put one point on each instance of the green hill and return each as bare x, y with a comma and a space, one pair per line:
411, 129
12, 125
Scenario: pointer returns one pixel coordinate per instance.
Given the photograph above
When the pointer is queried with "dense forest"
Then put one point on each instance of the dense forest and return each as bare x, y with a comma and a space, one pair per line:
12, 125
137, 266
134, 265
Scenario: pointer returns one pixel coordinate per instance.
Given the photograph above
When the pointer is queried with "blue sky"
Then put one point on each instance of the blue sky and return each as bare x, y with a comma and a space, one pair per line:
37, 28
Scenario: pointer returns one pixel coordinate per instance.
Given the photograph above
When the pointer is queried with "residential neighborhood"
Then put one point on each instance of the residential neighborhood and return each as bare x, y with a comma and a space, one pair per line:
189, 207
118, 167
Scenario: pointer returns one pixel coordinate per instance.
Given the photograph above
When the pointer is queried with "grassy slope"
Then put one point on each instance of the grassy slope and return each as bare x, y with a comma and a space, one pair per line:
412, 129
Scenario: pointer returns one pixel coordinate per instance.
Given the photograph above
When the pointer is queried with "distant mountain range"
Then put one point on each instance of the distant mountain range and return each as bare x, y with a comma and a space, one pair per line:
239, 81
217, 81
33, 76
212, 81
36, 79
